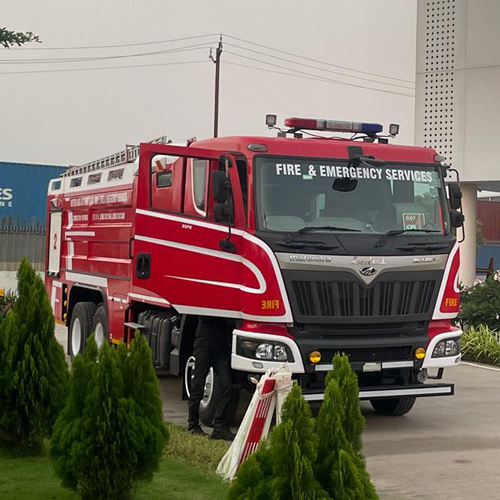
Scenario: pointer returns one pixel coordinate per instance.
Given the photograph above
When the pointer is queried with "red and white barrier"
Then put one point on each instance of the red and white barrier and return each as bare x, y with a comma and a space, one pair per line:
271, 392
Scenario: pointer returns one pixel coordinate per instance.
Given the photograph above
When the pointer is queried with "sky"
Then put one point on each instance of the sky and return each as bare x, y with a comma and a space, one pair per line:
52, 116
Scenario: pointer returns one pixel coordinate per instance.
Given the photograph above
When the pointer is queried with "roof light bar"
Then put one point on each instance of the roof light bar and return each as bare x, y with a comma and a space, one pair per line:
334, 125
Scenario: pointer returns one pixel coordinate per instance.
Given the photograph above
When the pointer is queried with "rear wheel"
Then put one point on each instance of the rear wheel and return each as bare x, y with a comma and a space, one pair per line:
100, 326
80, 327
394, 406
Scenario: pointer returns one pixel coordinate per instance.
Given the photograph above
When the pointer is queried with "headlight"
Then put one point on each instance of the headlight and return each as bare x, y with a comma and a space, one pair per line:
444, 348
265, 351
280, 353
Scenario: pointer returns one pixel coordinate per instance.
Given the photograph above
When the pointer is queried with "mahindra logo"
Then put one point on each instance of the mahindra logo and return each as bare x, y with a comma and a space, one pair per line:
367, 271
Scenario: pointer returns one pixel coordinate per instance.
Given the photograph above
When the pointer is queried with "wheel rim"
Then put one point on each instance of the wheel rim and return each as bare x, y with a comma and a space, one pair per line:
76, 336
99, 334
188, 375
208, 389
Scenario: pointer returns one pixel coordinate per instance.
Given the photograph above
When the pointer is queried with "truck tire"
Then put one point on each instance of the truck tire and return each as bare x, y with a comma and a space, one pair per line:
80, 327
394, 406
208, 405
100, 326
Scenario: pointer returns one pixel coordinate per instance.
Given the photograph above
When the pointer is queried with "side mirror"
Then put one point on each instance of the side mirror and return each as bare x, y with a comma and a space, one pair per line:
344, 184
456, 219
455, 196
223, 213
221, 186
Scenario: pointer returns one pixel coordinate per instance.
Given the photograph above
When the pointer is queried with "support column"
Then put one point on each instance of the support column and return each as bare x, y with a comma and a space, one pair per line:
467, 273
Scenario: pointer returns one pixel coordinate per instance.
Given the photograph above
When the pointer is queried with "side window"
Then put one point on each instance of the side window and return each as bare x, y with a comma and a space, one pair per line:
167, 180
199, 172
243, 176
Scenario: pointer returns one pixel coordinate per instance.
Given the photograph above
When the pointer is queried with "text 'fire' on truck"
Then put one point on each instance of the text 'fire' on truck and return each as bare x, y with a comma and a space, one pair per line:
311, 246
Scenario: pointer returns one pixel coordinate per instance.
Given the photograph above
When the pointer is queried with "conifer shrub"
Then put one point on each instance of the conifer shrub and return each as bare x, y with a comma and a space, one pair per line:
352, 419
312, 459
293, 451
33, 369
111, 433
340, 467
285, 468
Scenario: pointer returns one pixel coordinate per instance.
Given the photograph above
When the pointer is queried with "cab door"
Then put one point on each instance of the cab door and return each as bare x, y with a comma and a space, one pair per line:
180, 251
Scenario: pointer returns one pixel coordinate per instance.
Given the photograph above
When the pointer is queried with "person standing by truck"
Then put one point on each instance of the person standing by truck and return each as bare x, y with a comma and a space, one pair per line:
212, 349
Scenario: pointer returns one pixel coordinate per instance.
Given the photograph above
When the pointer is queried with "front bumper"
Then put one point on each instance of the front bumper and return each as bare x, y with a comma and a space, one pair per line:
385, 392
243, 364
299, 366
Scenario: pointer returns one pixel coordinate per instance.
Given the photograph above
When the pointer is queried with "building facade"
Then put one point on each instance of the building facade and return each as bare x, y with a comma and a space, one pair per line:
458, 99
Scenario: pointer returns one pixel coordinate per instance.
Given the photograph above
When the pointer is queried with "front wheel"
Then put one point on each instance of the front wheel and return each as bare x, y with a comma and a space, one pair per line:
394, 406
209, 403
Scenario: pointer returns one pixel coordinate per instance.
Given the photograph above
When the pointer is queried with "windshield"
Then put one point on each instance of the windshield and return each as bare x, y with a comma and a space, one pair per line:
293, 193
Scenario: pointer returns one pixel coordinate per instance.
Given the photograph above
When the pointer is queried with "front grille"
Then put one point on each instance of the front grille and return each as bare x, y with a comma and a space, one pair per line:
351, 299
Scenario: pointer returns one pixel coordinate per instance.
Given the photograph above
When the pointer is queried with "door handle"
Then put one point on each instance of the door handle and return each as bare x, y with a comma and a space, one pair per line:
143, 265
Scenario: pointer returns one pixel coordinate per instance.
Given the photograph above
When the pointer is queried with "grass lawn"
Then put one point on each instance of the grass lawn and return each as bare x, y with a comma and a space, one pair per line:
33, 478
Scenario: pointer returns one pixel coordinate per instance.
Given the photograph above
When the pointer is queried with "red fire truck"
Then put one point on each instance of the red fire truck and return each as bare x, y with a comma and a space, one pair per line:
311, 246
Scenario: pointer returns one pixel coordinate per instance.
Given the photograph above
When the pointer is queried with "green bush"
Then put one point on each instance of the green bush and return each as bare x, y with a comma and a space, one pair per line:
308, 459
33, 370
340, 466
480, 304
284, 470
111, 433
480, 344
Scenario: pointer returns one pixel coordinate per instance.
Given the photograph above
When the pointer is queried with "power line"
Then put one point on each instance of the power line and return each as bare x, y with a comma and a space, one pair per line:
102, 68
317, 60
157, 42
137, 44
316, 67
319, 77
187, 48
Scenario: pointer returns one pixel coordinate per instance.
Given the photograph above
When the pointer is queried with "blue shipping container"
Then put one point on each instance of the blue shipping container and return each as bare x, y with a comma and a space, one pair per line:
23, 193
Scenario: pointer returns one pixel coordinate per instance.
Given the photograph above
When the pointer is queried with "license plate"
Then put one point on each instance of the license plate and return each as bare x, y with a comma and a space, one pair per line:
372, 367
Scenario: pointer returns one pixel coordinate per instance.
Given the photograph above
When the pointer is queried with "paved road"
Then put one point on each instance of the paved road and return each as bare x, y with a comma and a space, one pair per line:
445, 448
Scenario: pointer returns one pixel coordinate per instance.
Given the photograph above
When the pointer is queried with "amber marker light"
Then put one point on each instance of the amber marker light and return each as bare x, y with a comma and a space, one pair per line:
420, 353
314, 357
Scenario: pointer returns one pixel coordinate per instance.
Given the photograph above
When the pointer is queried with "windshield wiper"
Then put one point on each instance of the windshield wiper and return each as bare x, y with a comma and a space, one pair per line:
425, 246
306, 243
310, 229
394, 232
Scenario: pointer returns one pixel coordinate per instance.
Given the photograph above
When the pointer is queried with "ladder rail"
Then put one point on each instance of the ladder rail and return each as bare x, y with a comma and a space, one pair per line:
128, 155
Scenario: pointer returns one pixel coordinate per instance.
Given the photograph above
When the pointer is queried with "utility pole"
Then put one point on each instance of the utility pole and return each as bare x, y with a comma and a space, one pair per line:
218, 53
